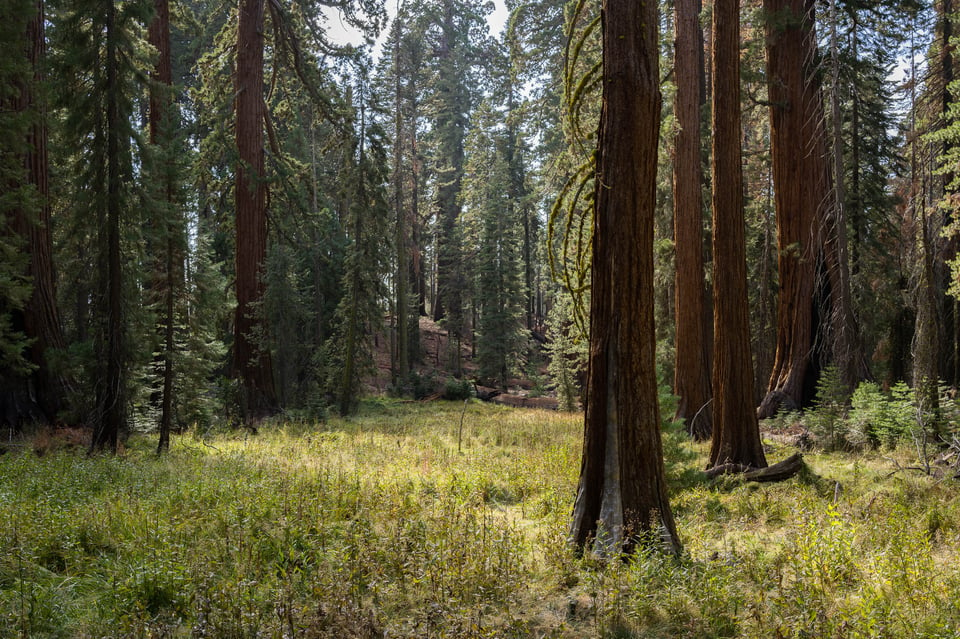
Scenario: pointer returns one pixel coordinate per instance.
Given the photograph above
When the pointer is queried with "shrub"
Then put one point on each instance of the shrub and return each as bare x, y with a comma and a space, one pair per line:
827, 420
457, 389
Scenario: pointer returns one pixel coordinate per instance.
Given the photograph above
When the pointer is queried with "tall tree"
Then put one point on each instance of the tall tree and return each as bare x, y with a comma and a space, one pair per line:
40, 392
736, 433
815, 322
457, 38
99, 58
789, 45
168, 276
692, 357
622, 492
498, 253
252, 364
365, 210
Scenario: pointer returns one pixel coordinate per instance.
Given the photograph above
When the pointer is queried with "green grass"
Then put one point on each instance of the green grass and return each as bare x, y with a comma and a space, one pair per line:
379, 526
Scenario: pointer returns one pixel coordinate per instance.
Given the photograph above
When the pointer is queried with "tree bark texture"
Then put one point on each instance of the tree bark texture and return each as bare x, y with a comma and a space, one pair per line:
251, 363
45, 390
158, 34
815, 319
692, 357
111, 392
622, 493
797, 192
736, 433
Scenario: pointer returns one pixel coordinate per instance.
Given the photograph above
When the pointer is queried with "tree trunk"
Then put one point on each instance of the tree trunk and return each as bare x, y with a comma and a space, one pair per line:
622, 494
45, 389
797, 191
112, 396
158, 35
692, 357
402, 302
736, 433
251, 361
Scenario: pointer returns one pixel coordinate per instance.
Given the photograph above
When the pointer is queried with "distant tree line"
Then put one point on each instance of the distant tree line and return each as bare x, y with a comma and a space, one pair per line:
213, 210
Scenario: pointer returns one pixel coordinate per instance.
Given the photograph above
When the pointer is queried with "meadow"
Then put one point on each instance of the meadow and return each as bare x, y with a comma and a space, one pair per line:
448, 519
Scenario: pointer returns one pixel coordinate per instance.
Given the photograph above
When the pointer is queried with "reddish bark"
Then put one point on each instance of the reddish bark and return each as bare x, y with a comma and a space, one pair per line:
251, 363
158, 35
736, 433
692, 358
815, 321
40, 319
797, 197
622, 483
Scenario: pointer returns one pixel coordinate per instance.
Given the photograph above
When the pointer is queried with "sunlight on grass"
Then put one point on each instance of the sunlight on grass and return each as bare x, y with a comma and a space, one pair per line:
397, 523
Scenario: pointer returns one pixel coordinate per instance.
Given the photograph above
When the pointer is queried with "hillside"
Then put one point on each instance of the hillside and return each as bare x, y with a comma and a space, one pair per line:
434, 369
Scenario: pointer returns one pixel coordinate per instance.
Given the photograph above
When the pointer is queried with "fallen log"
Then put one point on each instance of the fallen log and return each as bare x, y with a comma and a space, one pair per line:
778, 472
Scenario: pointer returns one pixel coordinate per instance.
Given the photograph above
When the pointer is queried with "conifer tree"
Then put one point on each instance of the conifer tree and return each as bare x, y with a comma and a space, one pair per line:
100, 62
622, 493
498, 262
251, 360
692, 360
366, 213
455, 33
168, 222
736, 434
29, 319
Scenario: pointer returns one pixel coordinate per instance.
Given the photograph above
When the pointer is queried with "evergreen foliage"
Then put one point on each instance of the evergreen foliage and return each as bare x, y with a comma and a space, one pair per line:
16, 73
497, 263
366, 214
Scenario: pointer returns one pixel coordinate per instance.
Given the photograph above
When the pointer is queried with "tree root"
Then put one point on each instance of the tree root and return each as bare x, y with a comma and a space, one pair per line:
778, 472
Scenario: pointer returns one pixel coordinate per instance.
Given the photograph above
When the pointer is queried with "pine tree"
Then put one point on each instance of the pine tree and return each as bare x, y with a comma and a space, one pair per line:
367, 213
498, 263
100, 60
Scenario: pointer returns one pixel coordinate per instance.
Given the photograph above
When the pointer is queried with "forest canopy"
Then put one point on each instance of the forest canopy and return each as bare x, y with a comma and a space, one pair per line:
215, 212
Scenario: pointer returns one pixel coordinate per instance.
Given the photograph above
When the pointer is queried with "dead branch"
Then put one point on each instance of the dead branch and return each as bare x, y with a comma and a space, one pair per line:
778, 472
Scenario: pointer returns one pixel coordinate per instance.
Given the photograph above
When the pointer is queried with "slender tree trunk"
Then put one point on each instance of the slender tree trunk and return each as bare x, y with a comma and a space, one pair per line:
158, 35
112, 397
402, 303
736, 433
692, 358
622, 493
251, 361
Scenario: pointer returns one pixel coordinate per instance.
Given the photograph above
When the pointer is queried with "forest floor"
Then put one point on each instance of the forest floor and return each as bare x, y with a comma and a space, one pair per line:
449, 519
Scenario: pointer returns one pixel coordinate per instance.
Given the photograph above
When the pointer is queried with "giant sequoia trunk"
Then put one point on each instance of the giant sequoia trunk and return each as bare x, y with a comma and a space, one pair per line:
797, 194
815, 322
251, 362
622, 492
736, 434
692, 359
41, 394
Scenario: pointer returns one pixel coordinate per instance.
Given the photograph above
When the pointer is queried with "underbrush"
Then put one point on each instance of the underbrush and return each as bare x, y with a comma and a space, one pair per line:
403, 523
